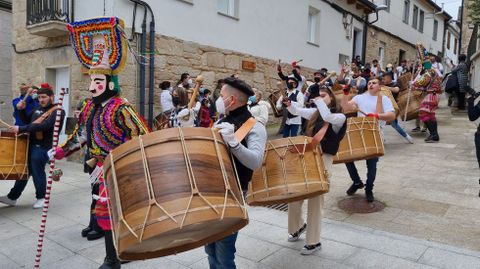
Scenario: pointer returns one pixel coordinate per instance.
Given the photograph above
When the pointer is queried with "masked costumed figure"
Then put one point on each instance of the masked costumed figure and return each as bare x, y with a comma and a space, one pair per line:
107, 120
429, 82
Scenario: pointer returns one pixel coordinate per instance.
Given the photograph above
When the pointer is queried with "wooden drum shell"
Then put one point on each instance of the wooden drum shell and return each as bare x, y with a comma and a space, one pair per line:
362, 141
287, 176
13, 156
178, 214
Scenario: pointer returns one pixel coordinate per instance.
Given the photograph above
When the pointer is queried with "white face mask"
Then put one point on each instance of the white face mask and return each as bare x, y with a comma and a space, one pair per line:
220, 105
190, 82
35, 96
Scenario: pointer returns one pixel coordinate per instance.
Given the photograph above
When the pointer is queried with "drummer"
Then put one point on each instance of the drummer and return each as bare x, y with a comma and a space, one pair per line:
323, 114
39, 124
387, 81
247, 155
367, 103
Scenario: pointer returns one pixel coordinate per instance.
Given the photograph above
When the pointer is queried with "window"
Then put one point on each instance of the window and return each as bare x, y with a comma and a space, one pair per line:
313, 25
406, 11
381, 53
228, 7
421, 21
415, 17
448, 40
435, 29
456, 45
387, 3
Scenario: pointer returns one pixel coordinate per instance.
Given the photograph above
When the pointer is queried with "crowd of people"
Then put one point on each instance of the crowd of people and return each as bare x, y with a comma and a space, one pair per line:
309, 107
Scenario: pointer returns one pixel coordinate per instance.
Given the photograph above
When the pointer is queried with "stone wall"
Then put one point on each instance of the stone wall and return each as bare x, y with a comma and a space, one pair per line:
393, 45
6, 66
175, 56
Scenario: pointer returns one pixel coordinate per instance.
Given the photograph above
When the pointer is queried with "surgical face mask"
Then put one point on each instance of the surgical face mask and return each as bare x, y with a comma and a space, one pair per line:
291, 85
316, 79
176, 100
35, 96
252, 99
220, 105
170, 89
190, 82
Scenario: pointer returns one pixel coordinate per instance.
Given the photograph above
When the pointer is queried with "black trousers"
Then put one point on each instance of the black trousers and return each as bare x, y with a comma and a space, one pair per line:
460, 99
477, 146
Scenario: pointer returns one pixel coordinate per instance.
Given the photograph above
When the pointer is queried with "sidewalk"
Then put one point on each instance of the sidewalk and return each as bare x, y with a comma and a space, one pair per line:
431, 217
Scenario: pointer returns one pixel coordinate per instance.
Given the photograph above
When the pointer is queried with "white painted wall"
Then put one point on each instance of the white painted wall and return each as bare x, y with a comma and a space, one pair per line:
393, 22
450, 52
275, 29
6, 66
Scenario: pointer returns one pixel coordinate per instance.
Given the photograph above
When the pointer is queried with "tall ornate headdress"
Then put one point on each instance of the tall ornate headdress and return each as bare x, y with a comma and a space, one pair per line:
100, 44
422, 53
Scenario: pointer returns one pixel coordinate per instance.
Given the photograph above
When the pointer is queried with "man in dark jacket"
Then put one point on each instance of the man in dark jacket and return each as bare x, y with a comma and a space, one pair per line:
39, 125
473, 115
462, 74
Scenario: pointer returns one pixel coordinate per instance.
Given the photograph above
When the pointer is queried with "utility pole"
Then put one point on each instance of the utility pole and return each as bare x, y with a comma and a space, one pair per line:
461, 29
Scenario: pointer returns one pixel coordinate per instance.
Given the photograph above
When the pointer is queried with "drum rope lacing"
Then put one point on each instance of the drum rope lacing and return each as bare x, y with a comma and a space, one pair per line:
224, 175
14, 165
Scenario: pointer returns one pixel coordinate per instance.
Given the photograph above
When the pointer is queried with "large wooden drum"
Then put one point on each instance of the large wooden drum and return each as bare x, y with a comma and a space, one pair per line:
288, 173
385, 91
162, 121
362, 141
411, 112
13, 156
171, 191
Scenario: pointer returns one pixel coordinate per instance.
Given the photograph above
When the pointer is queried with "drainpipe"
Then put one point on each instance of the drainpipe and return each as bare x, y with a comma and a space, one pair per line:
364, 39
143, 42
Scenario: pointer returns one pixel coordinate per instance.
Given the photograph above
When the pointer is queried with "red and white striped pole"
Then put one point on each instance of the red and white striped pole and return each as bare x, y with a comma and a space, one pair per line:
46, 203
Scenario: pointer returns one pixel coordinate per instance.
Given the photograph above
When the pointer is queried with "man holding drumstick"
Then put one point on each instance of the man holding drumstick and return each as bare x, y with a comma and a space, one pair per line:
247, 155
367, 106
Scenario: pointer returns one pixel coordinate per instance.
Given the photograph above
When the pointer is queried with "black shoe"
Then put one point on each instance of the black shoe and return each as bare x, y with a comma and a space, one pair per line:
94, 235
86, 231
432, 139
369, 196
110, 264
294, 237
416, 130
353, 189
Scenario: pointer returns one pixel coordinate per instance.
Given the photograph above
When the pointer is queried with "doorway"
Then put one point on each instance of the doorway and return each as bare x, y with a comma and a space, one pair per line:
60, 78
357, 43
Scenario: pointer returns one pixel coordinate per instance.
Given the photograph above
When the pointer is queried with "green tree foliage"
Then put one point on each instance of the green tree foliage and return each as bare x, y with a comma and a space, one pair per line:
474, 10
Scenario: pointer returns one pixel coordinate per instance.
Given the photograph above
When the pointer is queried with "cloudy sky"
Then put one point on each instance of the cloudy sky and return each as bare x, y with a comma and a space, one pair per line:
451, 6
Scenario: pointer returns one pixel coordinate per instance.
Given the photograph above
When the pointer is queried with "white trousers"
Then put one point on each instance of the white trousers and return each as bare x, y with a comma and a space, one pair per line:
314, 212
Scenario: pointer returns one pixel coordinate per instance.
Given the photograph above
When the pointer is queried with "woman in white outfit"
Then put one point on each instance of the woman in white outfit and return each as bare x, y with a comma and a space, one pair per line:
181, 115
258, 107
322, 116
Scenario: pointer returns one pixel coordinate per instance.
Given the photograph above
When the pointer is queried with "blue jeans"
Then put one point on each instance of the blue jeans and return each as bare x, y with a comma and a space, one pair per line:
37, 159
290, 130
398, 128
221, 254
371, 173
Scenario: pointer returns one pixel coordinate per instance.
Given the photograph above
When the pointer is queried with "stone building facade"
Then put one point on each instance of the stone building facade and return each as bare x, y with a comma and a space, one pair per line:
6, 60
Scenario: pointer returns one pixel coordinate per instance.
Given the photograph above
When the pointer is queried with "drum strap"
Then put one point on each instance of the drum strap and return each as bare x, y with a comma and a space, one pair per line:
316, 139
379, 103
42, 118
242, 132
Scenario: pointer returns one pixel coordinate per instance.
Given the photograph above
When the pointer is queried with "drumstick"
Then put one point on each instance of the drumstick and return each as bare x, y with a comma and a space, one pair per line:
56, 130
6, 124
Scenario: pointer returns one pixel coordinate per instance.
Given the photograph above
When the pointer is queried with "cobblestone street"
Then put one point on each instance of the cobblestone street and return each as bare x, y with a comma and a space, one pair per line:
430, 220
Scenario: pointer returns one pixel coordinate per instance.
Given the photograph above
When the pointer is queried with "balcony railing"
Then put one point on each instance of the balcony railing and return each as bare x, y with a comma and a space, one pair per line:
40, 11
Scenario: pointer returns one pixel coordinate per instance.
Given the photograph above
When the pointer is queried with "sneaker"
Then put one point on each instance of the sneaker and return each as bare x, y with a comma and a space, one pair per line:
416, 130
39, 203
409, 139
424, 130
309, 249
353, 189
7, 201
369, 196
294, 237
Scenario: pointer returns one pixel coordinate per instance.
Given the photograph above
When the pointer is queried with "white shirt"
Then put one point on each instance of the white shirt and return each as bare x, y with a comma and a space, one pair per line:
438, 67
260, 111
184, 118
367, 103
166, 100
298, 103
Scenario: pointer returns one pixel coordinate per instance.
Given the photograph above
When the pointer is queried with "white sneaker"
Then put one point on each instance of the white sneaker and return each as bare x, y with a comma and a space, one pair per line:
7, 201
309, 249
409, 139
38, 204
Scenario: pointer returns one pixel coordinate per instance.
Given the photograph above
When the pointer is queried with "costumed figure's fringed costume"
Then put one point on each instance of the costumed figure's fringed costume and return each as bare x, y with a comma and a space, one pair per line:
429, 82
107, 120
